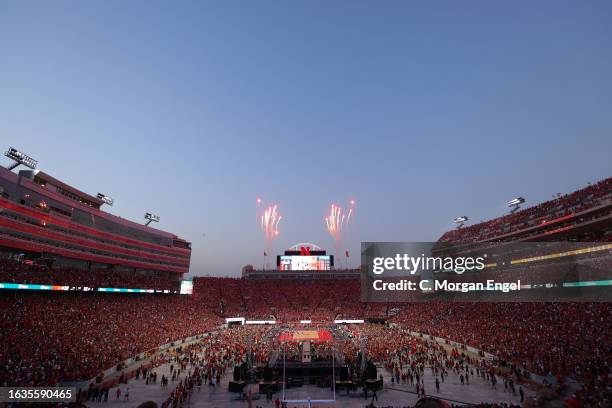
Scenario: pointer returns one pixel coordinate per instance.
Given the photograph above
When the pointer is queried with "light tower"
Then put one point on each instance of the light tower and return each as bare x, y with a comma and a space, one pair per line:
20, 158
515, 204
151, 218
460, 221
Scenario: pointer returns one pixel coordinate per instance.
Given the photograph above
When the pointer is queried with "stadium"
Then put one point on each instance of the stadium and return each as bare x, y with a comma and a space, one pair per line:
106, 309
305, 204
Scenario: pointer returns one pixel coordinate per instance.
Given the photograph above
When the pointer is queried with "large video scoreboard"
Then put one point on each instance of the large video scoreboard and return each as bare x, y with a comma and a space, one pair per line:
305, 260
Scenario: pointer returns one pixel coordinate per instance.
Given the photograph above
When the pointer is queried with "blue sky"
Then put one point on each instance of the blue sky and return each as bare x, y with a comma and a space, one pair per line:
421, 111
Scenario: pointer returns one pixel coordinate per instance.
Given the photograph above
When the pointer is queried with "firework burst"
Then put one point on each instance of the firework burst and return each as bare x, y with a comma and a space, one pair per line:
338, 219
269, 219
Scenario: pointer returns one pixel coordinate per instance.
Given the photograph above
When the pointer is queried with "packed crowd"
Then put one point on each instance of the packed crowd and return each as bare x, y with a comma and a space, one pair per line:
563, 271
18, 271
71, 332
76, 336
73, 336
50, 337
545, 338
284, 300
540, 214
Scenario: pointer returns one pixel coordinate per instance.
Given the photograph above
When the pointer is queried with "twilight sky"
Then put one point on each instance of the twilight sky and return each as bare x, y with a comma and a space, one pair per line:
420, 111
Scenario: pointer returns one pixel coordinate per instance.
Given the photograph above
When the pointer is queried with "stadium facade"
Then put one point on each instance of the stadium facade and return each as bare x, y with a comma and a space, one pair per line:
45, 220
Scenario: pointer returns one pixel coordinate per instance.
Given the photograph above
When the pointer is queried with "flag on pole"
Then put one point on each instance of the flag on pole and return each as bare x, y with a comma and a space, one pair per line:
346, 253
265, 254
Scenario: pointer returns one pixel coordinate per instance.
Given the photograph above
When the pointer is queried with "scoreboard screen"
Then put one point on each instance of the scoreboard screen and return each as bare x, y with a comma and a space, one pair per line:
305, 262
186, 287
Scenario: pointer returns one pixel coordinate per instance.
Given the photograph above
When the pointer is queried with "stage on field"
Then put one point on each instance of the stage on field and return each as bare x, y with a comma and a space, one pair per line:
307, 366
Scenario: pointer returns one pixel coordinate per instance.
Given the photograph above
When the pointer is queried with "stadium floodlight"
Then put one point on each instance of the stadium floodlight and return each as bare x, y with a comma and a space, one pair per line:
151, 218
460, 221
20, 158
515, 203
107, 200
